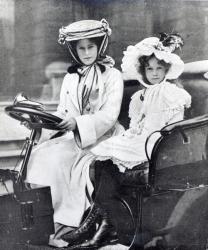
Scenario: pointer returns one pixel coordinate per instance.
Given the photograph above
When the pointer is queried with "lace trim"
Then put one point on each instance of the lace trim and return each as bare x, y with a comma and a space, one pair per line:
122, 165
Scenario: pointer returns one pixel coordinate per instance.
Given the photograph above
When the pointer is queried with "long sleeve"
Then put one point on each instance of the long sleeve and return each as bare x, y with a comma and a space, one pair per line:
63, 108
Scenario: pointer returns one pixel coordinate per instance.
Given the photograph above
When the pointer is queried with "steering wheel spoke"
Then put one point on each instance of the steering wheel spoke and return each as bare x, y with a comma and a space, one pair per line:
36, 118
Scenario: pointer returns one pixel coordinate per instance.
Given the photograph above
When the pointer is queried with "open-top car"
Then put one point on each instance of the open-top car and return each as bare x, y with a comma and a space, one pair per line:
166, 210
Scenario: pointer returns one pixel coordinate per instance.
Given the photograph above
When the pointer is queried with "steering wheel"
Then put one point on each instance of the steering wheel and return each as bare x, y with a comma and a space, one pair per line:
35, 118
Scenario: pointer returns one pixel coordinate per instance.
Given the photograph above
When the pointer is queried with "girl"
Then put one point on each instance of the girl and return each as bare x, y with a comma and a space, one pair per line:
153, 63
90, 101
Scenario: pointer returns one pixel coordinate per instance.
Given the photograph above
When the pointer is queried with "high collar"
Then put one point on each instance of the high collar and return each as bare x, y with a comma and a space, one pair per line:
74, 69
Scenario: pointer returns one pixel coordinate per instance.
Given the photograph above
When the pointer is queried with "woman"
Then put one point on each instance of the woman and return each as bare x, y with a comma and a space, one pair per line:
90, 101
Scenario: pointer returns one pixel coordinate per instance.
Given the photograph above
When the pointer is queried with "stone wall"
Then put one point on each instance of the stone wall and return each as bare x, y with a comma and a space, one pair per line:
6, 47
133, 20
37, 22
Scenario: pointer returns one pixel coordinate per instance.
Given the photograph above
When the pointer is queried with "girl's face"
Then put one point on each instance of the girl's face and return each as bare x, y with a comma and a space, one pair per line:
87, 51
154, 71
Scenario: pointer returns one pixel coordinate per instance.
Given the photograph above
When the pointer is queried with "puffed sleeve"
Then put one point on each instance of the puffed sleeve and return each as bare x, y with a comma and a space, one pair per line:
176, 100
91, 127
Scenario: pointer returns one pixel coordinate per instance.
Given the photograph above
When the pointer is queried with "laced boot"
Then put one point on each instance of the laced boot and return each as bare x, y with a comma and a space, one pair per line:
85, 230
105, 235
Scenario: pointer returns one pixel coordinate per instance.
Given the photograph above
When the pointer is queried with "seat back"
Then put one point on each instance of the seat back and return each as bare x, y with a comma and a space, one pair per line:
197, 87
195, 80
130, 87
180, 156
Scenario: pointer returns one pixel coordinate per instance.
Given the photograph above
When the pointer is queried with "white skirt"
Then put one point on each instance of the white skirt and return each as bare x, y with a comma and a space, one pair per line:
60, 164
125, 150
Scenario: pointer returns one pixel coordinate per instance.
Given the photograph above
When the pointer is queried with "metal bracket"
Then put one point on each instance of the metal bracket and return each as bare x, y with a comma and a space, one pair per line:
27, 214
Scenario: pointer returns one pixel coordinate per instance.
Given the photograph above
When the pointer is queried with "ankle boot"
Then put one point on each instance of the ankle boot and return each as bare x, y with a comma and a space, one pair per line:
105, 235
85, 230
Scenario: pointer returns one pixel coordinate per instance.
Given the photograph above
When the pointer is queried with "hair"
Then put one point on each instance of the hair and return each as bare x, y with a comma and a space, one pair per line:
96, 40
144, 62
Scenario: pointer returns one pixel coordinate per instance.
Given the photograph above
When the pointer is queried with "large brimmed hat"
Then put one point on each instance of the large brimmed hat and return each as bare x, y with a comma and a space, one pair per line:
162, 51
85, 29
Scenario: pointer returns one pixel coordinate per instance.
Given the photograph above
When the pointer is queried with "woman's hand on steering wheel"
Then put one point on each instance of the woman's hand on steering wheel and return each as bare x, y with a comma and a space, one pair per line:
68, 124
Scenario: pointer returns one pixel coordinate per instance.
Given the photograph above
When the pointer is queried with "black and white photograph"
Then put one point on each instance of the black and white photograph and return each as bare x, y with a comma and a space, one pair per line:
104, 125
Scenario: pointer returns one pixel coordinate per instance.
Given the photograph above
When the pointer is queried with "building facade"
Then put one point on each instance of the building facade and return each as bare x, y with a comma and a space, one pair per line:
29, 31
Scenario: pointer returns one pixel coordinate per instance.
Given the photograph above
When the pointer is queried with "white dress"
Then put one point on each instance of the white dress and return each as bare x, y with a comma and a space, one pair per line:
60, 162
163, 103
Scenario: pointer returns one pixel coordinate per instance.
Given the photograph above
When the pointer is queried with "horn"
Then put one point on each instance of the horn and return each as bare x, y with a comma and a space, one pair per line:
22, 100
19, 98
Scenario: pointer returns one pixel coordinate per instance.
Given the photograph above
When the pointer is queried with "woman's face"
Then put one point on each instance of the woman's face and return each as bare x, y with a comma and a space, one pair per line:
154, 71
87, 51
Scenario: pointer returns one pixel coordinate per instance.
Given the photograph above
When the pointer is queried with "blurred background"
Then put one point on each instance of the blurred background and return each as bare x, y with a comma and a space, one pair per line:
32, 61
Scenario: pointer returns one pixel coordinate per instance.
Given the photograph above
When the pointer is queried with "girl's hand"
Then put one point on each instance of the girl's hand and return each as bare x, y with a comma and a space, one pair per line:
68, 124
